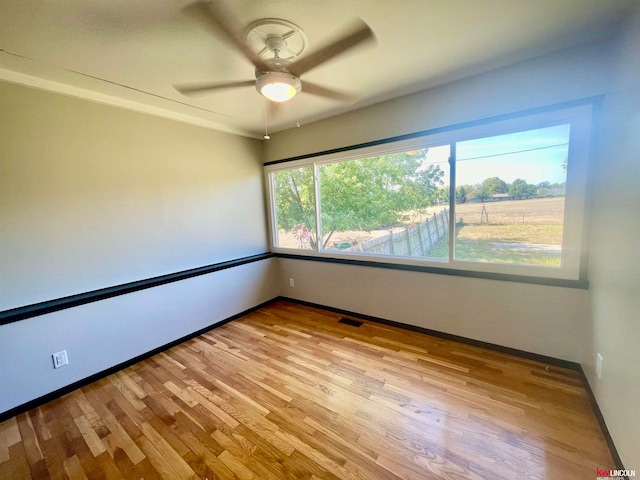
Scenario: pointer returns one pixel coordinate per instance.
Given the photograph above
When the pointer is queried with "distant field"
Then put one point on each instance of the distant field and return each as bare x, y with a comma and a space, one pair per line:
527, 232
537, 210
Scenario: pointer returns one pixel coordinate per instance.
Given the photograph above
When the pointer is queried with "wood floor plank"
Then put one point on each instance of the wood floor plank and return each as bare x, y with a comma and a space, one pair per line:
119, 438
32, 448
172, 457
90, 437
209, 456
74, 469
289, 393
16, 466
9, 436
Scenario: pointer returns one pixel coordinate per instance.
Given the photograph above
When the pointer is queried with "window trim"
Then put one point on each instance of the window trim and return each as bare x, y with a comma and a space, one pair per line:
583, 116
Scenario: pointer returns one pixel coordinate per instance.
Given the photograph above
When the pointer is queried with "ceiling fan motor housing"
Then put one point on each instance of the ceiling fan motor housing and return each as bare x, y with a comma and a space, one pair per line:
276, 44
276, 65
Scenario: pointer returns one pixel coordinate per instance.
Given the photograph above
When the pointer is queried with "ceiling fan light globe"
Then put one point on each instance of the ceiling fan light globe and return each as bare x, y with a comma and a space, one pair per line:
278, 87
278, 92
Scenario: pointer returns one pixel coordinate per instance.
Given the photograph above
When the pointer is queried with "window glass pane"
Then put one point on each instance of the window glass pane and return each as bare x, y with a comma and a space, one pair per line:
395, 204
510, 197
295, 208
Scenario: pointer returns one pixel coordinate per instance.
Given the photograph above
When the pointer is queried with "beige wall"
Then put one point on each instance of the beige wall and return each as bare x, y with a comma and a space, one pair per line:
93, 196
545, 320
615, 255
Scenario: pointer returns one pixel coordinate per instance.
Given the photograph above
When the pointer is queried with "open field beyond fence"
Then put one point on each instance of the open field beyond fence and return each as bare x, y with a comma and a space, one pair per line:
527, 232
535, 210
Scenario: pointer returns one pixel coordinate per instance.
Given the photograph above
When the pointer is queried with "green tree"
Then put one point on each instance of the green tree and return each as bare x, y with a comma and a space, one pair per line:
542, 188
481, 192
471, 191
295, 204
443, 194
520, 189
362, 194
494, 185
461, 194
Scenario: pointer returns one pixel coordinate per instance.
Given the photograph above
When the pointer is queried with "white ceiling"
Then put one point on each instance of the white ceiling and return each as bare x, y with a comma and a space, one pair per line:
130, 52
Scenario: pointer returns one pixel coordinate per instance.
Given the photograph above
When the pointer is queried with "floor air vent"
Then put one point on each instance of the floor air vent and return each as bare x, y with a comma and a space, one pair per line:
348, 321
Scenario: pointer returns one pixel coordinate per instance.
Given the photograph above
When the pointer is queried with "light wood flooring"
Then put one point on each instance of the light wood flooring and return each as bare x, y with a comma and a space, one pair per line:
287, 392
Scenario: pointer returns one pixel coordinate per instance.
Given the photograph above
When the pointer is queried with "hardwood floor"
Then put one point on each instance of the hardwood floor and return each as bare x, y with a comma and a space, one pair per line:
287, 392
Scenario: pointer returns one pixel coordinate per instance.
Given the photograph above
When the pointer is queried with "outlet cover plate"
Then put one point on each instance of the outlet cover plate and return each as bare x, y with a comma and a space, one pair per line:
60, 359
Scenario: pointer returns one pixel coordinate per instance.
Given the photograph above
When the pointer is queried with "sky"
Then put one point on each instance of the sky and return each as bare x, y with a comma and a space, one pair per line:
534, 155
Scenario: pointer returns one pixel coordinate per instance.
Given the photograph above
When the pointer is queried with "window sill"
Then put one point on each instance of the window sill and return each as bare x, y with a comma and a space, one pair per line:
414, 267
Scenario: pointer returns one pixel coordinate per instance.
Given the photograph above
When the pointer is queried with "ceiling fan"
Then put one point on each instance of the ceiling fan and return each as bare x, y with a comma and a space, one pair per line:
276, 78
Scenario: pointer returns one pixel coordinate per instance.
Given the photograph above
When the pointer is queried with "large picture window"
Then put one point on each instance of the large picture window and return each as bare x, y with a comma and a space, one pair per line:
501, 196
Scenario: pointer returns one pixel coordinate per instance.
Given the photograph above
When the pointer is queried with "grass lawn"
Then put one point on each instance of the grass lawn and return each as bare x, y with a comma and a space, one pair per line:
546, 234
525, 232
488, 244
518, 244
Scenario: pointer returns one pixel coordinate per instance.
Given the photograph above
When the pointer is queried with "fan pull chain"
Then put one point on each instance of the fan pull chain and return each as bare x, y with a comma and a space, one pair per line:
266, 130
297, 115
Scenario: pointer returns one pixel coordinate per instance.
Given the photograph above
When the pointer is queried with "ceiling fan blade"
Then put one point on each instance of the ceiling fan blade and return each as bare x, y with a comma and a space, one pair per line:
214, 18
358, 32
314, 89
200, 88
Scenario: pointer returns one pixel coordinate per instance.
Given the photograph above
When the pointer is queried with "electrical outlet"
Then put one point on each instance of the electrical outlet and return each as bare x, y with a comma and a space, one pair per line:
599, 365
60, 359
292, 283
